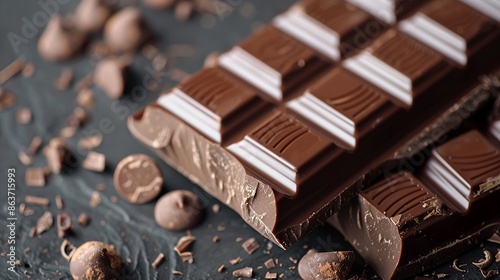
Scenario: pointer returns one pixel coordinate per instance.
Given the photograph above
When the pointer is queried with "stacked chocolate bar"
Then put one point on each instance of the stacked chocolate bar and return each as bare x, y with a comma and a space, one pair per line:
302, 116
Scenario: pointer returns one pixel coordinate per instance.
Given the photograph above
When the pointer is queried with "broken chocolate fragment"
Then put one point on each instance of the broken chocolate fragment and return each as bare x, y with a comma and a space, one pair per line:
244, 272
35, 177
70, 39
137, 179
57, 155
95, 261
184, 243
251, 245
91, 15
65, 79
23, 116
326, 265
7, 99
486, 262
44, 222
178, 210
110, 75
159, 259
36, 200
125, 31
95, 162
83, 219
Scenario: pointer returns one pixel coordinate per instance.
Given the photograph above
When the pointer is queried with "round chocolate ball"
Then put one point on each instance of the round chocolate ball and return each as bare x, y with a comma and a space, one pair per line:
178, 210
95, 261
326, 265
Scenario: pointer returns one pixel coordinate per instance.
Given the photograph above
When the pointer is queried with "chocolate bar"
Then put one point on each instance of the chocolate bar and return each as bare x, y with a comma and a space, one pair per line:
407, 223
286, 135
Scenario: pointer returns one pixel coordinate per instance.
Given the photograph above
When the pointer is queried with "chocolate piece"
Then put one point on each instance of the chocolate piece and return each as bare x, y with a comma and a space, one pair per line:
83, 219
10, 71
95, 260
44, 222
59, 202
35, 144
70, 39
235, 261
244, 272
178, 210
7, 99
184, 243
57, 155
399, 65
250, 246
159, 259
85, 97
184, 10
342, 105
95, 162
63, 224
95, 199
326, 265
110, 75
90, 142
334, 28
452, 28
36, 200
23, 116
273, 61
269, 263
271, 275
486, 262
137, 179
64, 80
460, 166
28, 70
397, 224
125, 31
221, 268
214, 102
90, 15
35, 177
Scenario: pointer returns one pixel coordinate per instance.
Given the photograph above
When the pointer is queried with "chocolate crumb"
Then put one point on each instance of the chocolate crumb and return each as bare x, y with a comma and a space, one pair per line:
28, 70
85, 98
35, 177
292, 267
90, 142
95, 199
484, 263
457, 267
216, 208
68, 132
184, 243
59, 202
221, 228
28, 211
27, 250
44, 222
159, 259
7, 99
24, 158
56, 153
114, 199
250, 246
238, 239
187, 257
235, 261
292, 260
65, 79
216, 239
159, 62
24, 116
63, 224
129, 260
176, 272
10, 71
270, 275
110, 76
32, 232
221, 268
282, 275
244, 272
100, 187
83, 219
94, 162
36, 200
22, 207
441, 275
269, 263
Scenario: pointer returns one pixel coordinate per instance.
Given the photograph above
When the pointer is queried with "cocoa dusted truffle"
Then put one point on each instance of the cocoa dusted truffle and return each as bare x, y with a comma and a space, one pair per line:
326, 265
95, 261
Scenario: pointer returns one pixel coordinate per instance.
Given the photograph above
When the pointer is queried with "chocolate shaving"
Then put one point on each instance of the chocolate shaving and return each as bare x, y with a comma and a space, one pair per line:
187, 257
270, 275
458, 267
221, 228
159, 259
94, 162
35, 144
221, 268
486, 262
90, 142
269, 263
10, 71
495, 238
489, 185
66, 245
36, 200
35, 177
44, 222
490, 273
235, 261
59, 202
83, 219
250, 246
24, 158
95, 199
176, 272
63, 224
65, 79
32, 232
184, 243
441, 275
244, 272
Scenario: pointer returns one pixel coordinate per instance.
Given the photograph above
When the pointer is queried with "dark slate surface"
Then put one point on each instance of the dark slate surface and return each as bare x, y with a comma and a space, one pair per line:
130, 228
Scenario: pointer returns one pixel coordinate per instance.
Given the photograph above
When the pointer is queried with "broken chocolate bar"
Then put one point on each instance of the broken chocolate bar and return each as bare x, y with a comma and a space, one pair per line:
286, 137
408, 223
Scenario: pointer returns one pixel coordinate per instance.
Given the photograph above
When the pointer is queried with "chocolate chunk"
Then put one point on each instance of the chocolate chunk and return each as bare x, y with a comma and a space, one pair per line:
57, 155
110, 75
44, 222
90, 142
83, 219
269, 263
137, 179
95, 162
23, 116
63, 224
178, 210
326, 265
95, 260
235, 261
70, 40
244, 272
90, 15
125, 31
271, 275
250, 246
35, 177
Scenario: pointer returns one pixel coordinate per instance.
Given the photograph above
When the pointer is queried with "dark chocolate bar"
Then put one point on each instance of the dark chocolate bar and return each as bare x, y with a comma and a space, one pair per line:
286, 136
408, 223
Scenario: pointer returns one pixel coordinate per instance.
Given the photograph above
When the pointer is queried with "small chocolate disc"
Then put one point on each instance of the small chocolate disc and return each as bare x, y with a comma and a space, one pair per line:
178, 210
137, 179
